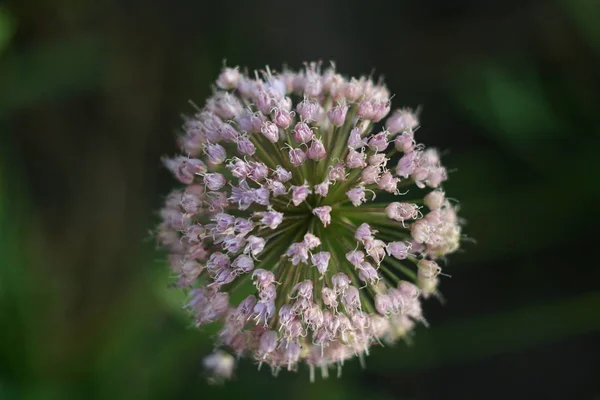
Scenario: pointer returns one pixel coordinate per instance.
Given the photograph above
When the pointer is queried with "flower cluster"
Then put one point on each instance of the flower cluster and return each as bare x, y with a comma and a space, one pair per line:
307, 227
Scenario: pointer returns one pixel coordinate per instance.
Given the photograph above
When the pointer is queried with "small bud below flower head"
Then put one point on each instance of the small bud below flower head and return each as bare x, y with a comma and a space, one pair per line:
229, 78
322, 188
402, 121
340, 282
264, 311
337, 115
297, 157
245, 146
316, 151
300, 193
356, 195
435, 199
214, 181
282, 118
281, 174
302, 133
323, 214
406, 164
428, 269
402, 211
311, 240
219, 365
405, 142
370, 175
216, 153
387, 182
272, 219
355, 140
364, 232
321, 261
379, 141
270, 131
398, 249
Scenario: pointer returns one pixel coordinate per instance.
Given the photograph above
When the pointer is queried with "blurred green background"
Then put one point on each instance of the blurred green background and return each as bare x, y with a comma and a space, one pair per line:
91, 94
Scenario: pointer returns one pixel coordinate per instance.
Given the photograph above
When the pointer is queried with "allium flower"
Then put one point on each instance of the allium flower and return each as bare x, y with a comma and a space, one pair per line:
300, 227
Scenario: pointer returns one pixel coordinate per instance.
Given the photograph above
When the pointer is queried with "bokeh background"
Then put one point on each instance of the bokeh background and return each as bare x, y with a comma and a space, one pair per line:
91, 96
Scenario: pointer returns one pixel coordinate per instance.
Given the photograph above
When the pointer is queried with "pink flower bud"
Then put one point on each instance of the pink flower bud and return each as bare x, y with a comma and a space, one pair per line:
243, 264
263, 278
398, 249
311, 240
258, 171
329, 297
402, 211
370, 175
356, 195
228, 133
245, 146
216, 153
387, 182
309, 110
351, 298
254, 245
337, 115
229, 78
383, 304
355, 257
270, 131
406, 165
365, 110
282, 118
363, 232
300, 193
428, 269
272, 219
402, 121
368, 273
316, 151
214, 181
340, 282
282, 174
379, 141
435, 199
297, 157
302, 133
322, 188
355, 140
321, 261
185, 169
277, 188
323, 214
355, 159
304, 289
405, 142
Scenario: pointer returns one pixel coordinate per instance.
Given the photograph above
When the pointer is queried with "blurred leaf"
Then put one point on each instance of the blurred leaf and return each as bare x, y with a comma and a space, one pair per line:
585, 14
50, 71
7, 28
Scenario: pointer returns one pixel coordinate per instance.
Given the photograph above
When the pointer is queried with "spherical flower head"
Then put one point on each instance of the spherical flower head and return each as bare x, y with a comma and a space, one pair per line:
291, 188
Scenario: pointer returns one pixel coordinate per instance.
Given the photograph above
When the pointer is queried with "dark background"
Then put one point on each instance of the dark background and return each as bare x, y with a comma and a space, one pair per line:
91, 94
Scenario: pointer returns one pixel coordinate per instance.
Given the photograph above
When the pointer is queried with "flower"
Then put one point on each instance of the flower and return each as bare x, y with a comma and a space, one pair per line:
288, 171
